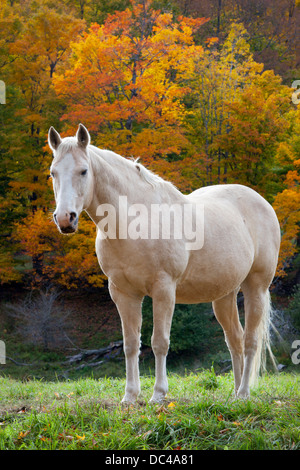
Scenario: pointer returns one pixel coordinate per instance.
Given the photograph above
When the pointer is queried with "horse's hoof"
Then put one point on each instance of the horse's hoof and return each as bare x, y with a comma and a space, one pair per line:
128, 400
244, 394
159, 398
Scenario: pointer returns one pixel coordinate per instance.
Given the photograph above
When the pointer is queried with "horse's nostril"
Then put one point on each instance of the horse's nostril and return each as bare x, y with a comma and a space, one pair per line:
54, 216
73, 216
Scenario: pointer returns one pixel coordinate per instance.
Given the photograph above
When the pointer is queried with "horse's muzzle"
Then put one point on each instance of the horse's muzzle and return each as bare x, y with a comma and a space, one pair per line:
68, 223
69, 229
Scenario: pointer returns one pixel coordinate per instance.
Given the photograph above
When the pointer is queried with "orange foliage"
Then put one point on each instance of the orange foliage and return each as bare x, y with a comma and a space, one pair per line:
126, 80
287, 202
145, 88
287, 207
69, 261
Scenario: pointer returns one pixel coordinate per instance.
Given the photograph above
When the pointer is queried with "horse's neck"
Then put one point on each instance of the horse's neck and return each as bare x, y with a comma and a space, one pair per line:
114, 176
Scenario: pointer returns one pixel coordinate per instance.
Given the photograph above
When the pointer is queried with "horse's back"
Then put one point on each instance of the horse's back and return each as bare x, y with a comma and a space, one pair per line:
258, 215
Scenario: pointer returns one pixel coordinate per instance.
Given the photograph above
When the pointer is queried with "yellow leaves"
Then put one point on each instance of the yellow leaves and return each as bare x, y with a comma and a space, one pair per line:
60, 396
230, 425
163, 410
131, 77
210, 42
46, 37
22, 434
284, 154
48, 434
64, 436
287, 207
287, 202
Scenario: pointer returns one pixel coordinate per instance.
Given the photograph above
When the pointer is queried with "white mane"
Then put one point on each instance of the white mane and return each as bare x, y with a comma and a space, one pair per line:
125, 163
148, 175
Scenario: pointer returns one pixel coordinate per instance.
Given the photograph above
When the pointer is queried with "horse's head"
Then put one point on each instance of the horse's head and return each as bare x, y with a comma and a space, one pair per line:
71, 174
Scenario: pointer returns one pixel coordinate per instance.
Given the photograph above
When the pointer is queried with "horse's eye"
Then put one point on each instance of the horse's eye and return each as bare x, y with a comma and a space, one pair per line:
84, 172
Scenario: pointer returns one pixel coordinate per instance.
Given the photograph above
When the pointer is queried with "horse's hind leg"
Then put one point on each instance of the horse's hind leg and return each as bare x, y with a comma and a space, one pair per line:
256, 336
226, 312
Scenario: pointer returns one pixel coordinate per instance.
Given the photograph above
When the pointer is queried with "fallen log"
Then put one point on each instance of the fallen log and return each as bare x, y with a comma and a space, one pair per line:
89, 364
113, 349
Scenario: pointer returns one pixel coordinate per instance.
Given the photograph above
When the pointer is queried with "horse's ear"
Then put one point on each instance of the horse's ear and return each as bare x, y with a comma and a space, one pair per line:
83, 136
54, 139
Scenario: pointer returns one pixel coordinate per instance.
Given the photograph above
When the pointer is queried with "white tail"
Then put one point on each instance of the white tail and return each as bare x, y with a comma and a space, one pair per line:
264, 342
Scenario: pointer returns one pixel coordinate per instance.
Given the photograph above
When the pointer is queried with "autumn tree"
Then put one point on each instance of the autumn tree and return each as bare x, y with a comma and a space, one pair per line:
69, 262
34, 45
238, 114
273, 27
258, 120
218, 77
124, 80
186, 95
287, 201
34, 38
38, 51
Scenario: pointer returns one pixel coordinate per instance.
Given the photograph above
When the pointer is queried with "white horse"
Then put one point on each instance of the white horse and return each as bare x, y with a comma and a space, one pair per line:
239, 250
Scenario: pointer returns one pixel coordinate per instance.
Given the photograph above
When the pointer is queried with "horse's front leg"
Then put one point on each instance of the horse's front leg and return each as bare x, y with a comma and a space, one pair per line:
163, 298
130, 310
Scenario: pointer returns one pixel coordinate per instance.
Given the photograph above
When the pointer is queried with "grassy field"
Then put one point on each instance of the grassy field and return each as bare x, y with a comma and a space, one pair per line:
200, 413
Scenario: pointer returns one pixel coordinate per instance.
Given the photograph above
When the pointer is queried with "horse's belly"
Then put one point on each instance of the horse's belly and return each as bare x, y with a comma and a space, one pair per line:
202, 292
208, 278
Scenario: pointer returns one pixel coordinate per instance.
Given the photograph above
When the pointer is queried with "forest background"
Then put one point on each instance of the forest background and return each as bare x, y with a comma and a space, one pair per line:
203, 92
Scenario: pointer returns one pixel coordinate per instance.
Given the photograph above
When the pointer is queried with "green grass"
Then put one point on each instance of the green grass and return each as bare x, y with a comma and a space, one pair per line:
200, 413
